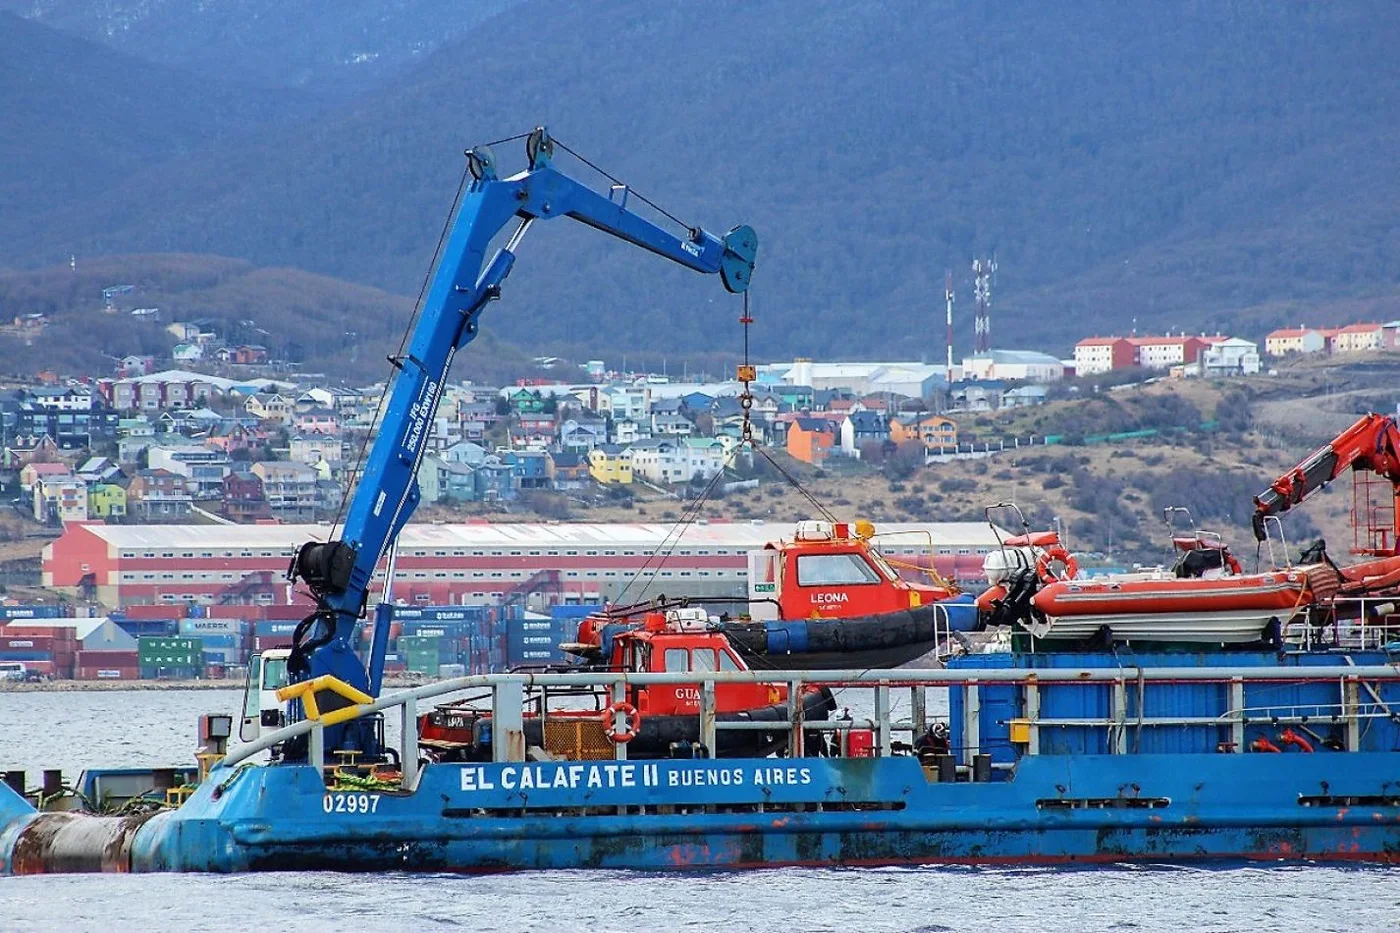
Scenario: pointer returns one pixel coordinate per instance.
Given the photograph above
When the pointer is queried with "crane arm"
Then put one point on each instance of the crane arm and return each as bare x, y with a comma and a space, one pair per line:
339, 573
1372, 443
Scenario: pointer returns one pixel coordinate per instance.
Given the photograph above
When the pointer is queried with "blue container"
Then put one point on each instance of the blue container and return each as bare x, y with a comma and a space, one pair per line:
574, 613
202, 627
10, 613
145, 628
221, 641
24, 654
266, 629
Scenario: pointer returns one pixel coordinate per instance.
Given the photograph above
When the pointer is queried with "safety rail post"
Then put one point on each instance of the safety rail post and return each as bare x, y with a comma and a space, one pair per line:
1237, 714
972, 721
408, 743
1351, 708
797, 747
619, 695
316, 746
918, 709
1118, 715
882, 717
508, 720
1032, 716
707, 717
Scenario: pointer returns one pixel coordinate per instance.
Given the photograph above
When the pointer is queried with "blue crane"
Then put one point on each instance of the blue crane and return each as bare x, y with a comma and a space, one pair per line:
338, 573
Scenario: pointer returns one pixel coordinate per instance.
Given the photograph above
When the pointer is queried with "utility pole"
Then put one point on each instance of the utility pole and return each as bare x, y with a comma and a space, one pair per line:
982, 271
948, 302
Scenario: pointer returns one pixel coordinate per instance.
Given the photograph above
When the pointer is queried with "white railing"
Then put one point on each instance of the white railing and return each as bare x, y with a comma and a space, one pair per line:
1374, 627
507, 693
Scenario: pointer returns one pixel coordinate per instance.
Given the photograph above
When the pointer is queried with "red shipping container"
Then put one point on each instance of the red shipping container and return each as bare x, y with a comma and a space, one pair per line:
264, 642
107, 658
157, 612
66, 633
45, 643
292, 613
108, 672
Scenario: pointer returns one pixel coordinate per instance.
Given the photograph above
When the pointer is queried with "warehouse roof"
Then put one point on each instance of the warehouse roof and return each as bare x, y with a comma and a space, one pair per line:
479, 535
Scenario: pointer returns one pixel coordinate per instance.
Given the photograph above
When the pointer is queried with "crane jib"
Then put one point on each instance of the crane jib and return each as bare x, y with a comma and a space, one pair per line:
338, 573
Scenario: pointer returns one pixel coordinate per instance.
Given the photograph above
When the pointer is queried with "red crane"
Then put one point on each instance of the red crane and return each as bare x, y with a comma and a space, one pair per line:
1371, 449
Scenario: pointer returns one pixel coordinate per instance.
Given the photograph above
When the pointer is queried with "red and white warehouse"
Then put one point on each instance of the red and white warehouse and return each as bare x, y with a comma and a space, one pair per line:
127, 565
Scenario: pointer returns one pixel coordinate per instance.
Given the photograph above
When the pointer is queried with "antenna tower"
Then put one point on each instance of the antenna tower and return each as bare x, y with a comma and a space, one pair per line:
982, 271
948, 298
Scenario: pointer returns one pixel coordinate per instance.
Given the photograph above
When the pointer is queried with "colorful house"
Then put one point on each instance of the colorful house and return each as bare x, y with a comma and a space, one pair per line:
811, 439
610, 463
106, 501
933, 431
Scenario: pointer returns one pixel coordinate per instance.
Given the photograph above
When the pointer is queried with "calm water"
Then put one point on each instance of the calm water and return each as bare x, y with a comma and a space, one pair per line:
39, 730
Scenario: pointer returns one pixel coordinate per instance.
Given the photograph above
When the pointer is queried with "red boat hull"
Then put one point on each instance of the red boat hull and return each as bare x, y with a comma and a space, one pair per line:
1159, 608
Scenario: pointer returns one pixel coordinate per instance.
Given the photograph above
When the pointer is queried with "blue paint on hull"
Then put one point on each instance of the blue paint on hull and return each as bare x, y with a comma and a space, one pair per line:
881, 811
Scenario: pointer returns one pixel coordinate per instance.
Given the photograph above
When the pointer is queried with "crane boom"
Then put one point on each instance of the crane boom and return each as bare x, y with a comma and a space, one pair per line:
1371, 444
338, 573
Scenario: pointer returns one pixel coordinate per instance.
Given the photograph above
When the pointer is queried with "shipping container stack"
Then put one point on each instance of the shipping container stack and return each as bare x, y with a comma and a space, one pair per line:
170, 657
47, 651
533, 638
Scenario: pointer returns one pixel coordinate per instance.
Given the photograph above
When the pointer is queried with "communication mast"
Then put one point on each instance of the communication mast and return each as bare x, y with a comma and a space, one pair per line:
982, 271
948, 298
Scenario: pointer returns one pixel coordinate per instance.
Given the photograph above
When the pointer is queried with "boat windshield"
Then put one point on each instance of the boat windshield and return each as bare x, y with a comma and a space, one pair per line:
885, 568
274, 674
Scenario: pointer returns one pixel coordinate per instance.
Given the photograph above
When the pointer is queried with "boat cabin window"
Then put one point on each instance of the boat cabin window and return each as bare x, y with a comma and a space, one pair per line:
638, 658
274, 673
252, 700
702, 659
884, 565
677, 659
847, 569
727, 662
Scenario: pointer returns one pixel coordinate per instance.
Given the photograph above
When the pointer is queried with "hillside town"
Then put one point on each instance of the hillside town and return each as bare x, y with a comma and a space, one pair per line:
159, 442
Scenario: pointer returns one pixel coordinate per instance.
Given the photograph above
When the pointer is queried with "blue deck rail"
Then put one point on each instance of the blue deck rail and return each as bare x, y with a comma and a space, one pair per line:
1351, 697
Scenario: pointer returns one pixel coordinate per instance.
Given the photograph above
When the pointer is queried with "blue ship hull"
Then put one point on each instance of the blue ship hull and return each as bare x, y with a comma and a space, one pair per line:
1073, 764
477, 818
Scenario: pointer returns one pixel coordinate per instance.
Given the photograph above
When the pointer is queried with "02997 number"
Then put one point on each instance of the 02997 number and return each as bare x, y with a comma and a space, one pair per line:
350, 803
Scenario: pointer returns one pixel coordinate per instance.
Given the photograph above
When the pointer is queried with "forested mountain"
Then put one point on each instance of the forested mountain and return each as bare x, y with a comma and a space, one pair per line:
318, 323
1170, 163
79, 117
334, 47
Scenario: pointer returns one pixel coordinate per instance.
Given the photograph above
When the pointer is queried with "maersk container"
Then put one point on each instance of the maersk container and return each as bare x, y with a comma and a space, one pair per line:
204, 627
265, 629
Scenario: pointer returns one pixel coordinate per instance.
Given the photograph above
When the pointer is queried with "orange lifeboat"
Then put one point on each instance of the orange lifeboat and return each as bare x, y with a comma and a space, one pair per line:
1159, 606
1205, 597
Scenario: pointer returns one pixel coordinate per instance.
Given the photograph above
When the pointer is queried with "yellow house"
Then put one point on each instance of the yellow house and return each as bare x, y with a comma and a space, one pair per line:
609, 464
933, 431
107, 501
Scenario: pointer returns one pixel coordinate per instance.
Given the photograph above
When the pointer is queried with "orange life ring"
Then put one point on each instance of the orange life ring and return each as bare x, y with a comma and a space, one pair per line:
632, 719
1050, 555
